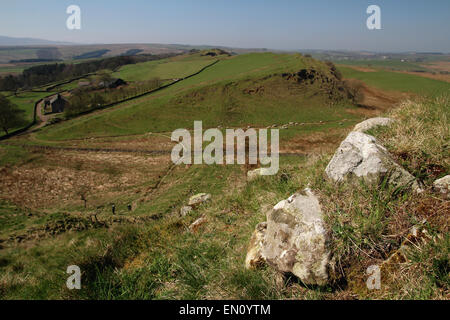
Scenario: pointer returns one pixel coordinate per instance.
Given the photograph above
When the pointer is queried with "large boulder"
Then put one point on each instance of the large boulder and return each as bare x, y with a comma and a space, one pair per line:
254, 258
296, 240
372, 123
442, 185
360, 155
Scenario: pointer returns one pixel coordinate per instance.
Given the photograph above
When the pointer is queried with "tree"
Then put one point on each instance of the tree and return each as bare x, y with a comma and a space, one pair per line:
10, 115
106, 78
97, 100
83, 191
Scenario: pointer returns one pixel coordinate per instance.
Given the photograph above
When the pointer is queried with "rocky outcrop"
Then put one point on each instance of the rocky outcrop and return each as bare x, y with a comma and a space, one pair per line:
296, 240
198, 199
372, 123
254, 258
442, 185
361, 156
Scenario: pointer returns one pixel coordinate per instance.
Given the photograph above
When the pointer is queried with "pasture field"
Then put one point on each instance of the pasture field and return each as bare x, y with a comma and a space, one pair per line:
165, 69
11, 69
217, 96
386, 64
387, 80
26, 102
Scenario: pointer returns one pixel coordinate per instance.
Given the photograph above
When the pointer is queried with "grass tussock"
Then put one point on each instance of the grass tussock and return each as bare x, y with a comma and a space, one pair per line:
420, 136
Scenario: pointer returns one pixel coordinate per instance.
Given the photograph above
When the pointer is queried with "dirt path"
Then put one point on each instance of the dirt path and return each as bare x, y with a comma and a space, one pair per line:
41, 117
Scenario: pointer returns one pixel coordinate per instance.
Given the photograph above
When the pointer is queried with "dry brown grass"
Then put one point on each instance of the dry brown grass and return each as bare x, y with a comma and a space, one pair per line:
57, 178
420, 136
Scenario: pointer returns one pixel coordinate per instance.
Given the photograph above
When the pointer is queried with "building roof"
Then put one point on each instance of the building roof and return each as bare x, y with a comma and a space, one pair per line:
57, 97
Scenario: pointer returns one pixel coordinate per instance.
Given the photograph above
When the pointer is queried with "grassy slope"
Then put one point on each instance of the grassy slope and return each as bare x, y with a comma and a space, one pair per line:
26, 102
367, 222
160, 260
387, 80
177, 67
214, 96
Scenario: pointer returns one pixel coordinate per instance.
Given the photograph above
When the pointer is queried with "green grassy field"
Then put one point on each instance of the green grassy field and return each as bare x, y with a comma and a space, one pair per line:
387, 80
164, 69
26, 102
217, 97
386, 64
5, 70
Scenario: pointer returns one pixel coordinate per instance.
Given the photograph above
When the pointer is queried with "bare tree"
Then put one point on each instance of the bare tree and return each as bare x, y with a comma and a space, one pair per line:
83, 193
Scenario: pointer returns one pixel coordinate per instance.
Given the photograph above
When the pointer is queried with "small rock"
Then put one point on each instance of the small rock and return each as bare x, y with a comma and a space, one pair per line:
254, 257
185, 210
197, 224
372, 123
442, 185
253, 174
198, 199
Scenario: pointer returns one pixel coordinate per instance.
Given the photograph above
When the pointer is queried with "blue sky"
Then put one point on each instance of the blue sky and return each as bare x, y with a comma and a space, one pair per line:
407, 25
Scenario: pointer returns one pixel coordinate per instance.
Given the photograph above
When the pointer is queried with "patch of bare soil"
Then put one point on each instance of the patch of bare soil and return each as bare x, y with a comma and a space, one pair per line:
381, 100
376, 101
438, 65
317, 142
146, 142
61, 178
362, 69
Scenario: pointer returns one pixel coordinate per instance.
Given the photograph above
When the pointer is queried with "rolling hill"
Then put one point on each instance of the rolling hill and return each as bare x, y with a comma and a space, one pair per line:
234, 91
14, 41
60, 183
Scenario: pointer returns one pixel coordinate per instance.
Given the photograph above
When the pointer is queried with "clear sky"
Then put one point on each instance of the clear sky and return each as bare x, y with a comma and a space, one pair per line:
407, 25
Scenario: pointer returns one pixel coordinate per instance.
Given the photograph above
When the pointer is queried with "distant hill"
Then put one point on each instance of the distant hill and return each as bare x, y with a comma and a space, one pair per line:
12, 41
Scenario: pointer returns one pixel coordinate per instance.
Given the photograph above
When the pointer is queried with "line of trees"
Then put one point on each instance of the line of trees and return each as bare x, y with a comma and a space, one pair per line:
49, 73
83, 100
